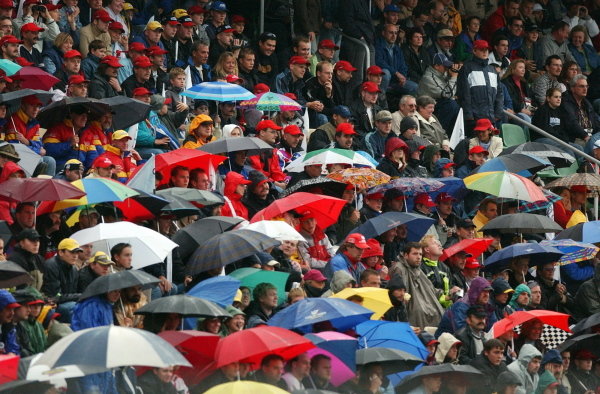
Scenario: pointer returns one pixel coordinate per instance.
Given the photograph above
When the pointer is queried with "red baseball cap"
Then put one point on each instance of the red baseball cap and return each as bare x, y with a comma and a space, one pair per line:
235, 19
232, 78
376, 196
267, 124
32, 100
111, 61
71, 54
357, 240
10, 39
31, 27
478, 149
142, 62
141, 92
298, 60
484, 124
196, 9
424, 199
293, 130
291, 96
481, 44
261, 88
345, 128
472, 263
114, 25
370, 87
102, 162
102, 15
155, 50
77, 79
375, 70
344, 65
445, 196
315, 275
328, 44
580, 189
6, 4
137, 47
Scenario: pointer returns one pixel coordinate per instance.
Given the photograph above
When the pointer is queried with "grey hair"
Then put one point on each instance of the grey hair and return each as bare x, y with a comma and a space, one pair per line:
423, 101
405, 98
576, 79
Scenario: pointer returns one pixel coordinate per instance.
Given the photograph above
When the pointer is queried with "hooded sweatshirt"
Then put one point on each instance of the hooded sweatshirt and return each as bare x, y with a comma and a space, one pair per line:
5, 206
522, 288
387, 165
233, 204
519, 368
546, 379
447, 340
339, 282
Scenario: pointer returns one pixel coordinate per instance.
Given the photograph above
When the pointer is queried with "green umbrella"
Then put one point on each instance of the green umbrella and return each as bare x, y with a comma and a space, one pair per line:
9, 67
250, 277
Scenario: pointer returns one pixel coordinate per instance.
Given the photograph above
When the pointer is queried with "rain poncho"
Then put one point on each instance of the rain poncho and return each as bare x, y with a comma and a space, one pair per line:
92, 312
519, 368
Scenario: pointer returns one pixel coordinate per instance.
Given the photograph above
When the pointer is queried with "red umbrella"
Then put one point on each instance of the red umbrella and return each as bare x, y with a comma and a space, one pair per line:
554, 319
189, 158
38, 189
325, 209
9, 367
475, 247
35, 78
252, 345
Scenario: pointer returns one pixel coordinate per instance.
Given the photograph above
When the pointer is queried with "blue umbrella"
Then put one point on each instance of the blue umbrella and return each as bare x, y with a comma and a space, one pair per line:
218, 91
344, 349
417, 225
395, 335
452, 185
539, 254
342, 314
588, 232
221, 290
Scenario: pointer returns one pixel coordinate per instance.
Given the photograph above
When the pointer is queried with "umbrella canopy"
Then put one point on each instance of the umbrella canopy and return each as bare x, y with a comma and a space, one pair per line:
144, 206
362, 178
202, 197
411, 186
276, 229
342, 314
392, 360
218, 251
588, 322
218, 91
250, 277
538, 254
12, 274
35, 78
9, 366
270, 101
525, 223
469, 374
149, 247
9, 66
253, 344
551, 318
551, 198
325, 209
374, 299
329, 156
318, 185
60, 110
515, 162
184, 305
226, 145
38, 189
341, 349
588, 232
179, 208
574, 251
219, 289
29, 160
555, 155
110, 347
246, 387
190, 158
505, 184
394, 335
191, 236
126, 111
118, 280
13, 99
474, 246
583, 341
416, 225
591, 181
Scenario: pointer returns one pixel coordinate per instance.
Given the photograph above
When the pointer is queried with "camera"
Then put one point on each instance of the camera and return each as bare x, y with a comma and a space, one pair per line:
38, 8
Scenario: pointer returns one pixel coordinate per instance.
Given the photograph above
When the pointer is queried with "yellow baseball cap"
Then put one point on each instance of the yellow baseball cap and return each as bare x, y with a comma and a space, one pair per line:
128, 7
69, 244
74, 161
101, 258
119, 135
154, 25
180, 13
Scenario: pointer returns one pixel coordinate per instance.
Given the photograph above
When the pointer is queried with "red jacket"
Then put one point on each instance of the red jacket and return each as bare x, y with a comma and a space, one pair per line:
121, 160
268, 164
232, 180
5, 206
495, 22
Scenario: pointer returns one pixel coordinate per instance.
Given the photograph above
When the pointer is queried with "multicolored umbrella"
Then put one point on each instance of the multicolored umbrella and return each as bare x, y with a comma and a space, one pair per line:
588, 232
318, 185
573, 251
410, 186
591, 181
362, 178
218, 91
505, 184
516, 162
329, 156
374, 299
474, 246
270, 101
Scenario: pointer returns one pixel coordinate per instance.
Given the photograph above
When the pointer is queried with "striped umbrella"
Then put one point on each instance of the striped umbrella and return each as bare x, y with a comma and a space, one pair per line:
330, 156
573, 251
591, 181
410, 186
270, 101
505, 184
218, 91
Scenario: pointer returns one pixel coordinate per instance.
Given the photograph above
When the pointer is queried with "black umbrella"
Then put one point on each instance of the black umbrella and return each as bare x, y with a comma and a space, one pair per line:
226, 145
468, 374
226, 248
584, 341
588, 322
523, 223
379, 224
203, 197
12, 274
126, 111
179, 207
184, 305
555, 155
60, 110
318, 185
117, 281
190, 237
392, 360
13, 99
5, 233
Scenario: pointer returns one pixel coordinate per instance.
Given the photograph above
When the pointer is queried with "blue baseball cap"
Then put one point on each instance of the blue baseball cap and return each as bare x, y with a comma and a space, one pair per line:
391, 8
342, 111
441, 59
219, 6
7, 300
441, 164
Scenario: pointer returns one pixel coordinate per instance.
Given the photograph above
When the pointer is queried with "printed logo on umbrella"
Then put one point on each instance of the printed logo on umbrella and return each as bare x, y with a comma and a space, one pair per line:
315, 314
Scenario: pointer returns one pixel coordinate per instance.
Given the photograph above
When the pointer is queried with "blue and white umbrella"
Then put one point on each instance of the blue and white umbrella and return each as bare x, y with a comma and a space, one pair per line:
218, 91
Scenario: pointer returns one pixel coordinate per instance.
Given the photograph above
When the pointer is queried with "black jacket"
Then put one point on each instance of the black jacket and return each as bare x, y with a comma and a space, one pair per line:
390, 168
85, 277
250, 79
59, 277
478, 90
343, 92
557, 122
468, 350
100, 88
490, 375
355, 20
313, 90
131, 83
570, 106
362, 124
151, 384
515, 93
267, 67
417, 62
588, 295
28, 261
255, 204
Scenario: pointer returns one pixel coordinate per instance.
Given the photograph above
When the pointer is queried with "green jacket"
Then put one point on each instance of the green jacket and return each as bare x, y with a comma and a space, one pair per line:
35, 333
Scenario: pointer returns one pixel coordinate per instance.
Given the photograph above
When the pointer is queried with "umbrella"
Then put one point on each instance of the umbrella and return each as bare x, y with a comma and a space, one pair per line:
110, 347
515, 162
251, 345
474, 247
126, 111
446, 371
190, 158
341, 314
270, 101
35, 78
505, 184
318, 185
184, 305
558, 157
361, 178
219, 289
149, 247
538, 254
13, 99
12, 274
276, 229
250, 277
38, 189
57, 111
202, 197
551, 318
193, 235
374, 299
417, 225
5, 232
329, 156
227, 145
144, 206
9, 365
245, 387
218, 91
226, 248
325, 209
410, 186
394, 335
588, 322
29, 160
118, 280
179, 208
341, 349
588, 232
591, 181
551, 198
584, 341
9, 66
524, 223
573, 251
392, 360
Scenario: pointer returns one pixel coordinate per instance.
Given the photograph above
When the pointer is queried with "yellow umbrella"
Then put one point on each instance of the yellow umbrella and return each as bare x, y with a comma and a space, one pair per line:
245, 387
374, 299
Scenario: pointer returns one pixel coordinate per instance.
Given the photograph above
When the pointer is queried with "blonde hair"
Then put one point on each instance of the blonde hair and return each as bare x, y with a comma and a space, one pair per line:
512, 67
61, 38
219, 71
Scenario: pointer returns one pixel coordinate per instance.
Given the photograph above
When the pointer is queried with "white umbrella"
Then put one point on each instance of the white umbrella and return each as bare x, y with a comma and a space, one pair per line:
276, 229
149, 247
102, 348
